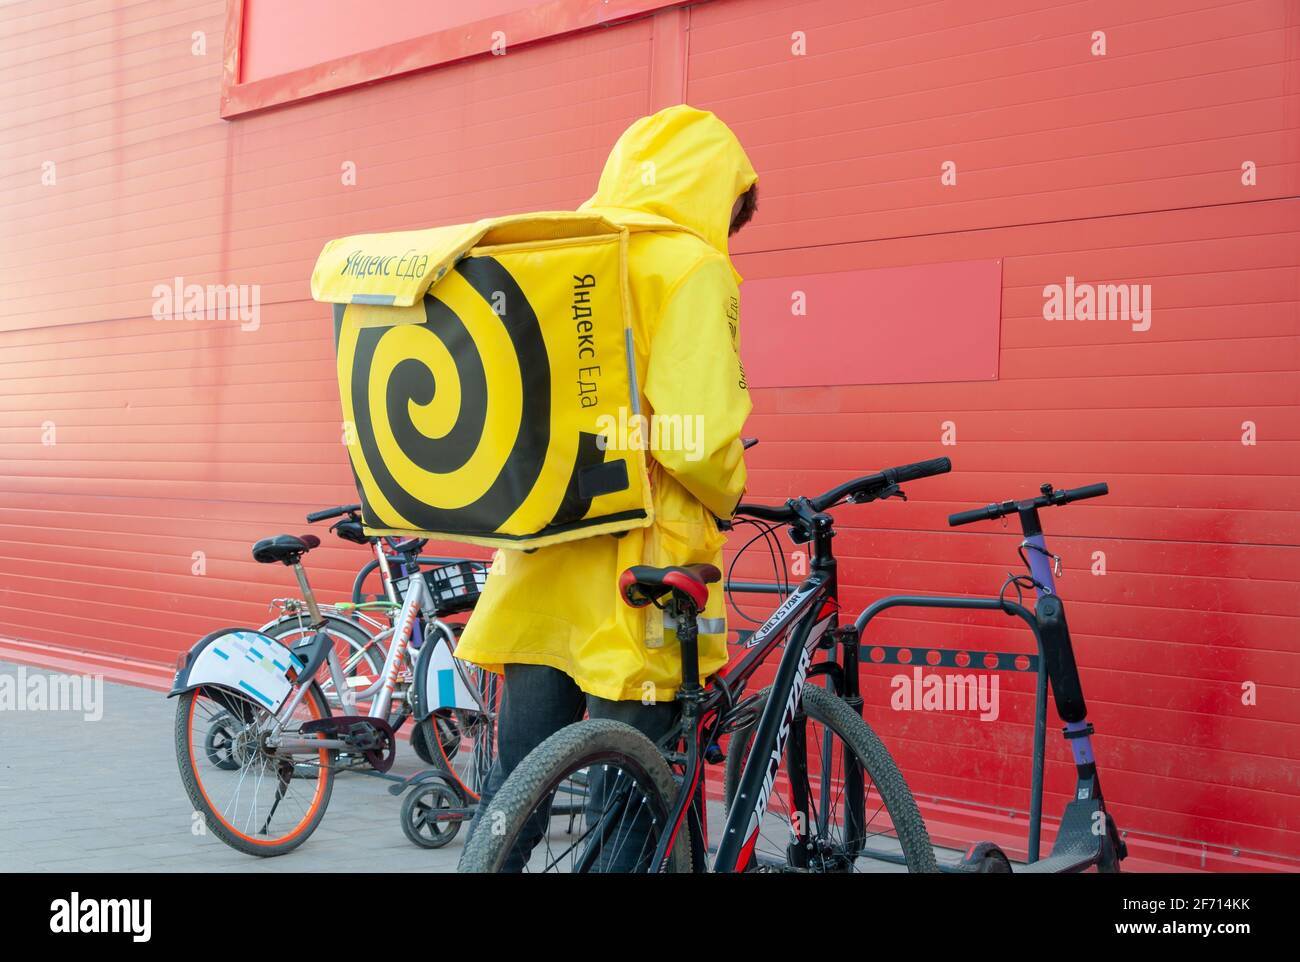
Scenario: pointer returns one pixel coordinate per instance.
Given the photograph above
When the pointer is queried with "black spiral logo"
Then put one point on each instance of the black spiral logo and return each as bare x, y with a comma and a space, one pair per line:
419, 476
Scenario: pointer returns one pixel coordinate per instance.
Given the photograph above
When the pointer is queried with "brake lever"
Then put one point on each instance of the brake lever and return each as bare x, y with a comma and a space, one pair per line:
889, 491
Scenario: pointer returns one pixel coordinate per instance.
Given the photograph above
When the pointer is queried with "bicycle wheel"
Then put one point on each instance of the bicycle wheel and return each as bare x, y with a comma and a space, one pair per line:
462, 742
360, 656
467, 748
845, 760
252, 799
441, 728
624, 790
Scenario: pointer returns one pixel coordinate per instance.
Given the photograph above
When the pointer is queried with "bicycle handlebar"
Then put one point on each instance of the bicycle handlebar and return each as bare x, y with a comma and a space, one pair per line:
1087, 491
1047, 499
975, 514
864, 488
921, 469
326, 513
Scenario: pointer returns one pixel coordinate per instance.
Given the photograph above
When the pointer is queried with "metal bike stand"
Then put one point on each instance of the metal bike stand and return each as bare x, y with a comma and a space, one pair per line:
1006, 661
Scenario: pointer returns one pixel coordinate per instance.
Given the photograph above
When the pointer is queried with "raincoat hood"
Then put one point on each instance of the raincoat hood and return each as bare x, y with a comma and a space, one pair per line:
681, 164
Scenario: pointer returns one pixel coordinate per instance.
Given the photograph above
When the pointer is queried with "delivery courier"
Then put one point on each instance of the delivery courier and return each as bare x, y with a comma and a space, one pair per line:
489, 374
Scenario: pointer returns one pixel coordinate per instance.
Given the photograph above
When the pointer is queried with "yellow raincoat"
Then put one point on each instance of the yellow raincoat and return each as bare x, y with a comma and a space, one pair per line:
672, 179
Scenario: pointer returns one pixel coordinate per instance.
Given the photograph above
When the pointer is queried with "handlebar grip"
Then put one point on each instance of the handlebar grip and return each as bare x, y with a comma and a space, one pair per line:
1087, 491
921, 469
326, 513
986, 513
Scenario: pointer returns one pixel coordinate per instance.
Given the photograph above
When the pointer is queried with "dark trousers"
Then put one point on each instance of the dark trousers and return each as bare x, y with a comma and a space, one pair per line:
538, 701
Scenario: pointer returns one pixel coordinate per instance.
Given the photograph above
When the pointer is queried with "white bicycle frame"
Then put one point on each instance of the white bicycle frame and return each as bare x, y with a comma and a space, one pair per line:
377, 630
418, 600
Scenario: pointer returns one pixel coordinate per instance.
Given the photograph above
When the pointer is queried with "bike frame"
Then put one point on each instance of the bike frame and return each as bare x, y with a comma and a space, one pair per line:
804, 622
356, 613
418, 599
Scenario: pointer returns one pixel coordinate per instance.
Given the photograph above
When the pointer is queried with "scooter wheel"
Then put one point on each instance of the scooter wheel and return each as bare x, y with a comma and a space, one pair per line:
986, 858
419, 815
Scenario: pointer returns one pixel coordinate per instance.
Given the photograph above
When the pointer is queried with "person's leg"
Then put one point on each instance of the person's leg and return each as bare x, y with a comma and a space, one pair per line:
629, 845
536, 702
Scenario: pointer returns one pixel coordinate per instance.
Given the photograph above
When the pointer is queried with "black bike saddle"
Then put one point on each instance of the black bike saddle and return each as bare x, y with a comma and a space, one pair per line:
284, 548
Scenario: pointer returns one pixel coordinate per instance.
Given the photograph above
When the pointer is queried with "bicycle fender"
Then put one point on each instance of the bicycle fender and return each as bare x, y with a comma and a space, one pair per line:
244, 661
437, 682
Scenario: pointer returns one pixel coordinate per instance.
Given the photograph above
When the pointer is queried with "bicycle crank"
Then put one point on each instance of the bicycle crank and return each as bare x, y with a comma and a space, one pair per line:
372, 738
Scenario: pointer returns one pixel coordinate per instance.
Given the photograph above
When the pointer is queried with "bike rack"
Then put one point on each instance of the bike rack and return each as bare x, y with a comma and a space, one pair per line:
893, 655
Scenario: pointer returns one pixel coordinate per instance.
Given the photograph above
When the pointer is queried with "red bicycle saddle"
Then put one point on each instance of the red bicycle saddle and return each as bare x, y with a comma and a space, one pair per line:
642, 584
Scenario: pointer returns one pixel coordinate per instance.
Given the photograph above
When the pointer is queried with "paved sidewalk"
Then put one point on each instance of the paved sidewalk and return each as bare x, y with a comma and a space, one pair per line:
106, 796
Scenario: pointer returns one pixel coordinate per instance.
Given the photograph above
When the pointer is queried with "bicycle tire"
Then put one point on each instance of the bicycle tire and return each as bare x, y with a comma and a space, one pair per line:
470, 725
573, 748
373, 652
417, 805
849, 727
448, 738
213, 820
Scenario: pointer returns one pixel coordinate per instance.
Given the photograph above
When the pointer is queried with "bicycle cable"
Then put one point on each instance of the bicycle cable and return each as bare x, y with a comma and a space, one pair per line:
767, 533
1055, 559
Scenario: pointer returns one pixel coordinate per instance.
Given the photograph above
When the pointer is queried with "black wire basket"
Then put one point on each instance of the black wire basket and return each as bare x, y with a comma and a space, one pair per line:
456, 586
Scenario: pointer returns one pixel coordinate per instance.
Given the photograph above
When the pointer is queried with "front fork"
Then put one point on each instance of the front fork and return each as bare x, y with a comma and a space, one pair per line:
854, 783
843, 676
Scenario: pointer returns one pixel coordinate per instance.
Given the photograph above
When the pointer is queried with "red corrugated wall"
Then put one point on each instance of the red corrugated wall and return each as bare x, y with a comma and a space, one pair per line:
129, 444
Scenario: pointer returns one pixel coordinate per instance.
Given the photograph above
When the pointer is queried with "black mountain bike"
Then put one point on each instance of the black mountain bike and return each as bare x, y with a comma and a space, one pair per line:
643, 804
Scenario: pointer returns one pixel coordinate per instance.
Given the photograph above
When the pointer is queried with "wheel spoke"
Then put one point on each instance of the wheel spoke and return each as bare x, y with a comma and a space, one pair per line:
240, 782
838, 744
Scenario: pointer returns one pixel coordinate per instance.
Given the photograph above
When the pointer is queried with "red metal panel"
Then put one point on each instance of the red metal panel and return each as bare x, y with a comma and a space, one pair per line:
281, 36
177, 443
668, 57
851, 137
1122, 169
931, 322
276, 69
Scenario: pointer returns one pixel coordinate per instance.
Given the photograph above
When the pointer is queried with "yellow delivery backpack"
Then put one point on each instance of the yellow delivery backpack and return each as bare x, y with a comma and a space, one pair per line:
481, 367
